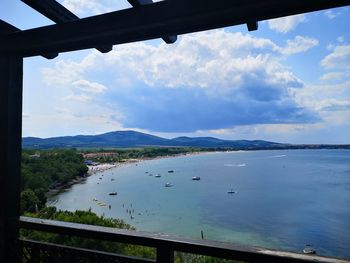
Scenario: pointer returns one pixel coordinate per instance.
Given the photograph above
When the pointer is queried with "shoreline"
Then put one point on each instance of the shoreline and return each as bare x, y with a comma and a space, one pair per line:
93, 169
99, 168
62, 187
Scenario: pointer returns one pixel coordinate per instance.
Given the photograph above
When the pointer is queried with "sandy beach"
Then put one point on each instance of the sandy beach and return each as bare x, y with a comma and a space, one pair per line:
100, 167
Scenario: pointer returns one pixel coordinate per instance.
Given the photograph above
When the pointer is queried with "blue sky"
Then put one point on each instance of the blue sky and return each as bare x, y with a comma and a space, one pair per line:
289, 81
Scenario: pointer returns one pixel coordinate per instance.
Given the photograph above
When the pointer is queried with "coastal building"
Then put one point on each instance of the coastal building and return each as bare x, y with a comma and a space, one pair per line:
145, 21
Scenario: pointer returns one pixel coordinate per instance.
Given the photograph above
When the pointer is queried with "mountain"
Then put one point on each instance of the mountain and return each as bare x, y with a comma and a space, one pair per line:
126, 139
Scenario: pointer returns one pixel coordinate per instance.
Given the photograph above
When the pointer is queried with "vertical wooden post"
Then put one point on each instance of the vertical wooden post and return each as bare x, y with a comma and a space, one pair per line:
165, 255
11, 76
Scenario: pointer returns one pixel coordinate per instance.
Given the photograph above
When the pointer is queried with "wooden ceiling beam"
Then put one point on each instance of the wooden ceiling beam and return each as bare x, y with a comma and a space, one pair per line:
252, 26
58, 14
137, 3
153, 21
6, 28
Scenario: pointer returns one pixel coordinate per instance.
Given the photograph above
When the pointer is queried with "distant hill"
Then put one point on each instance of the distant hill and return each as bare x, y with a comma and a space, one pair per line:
124, 139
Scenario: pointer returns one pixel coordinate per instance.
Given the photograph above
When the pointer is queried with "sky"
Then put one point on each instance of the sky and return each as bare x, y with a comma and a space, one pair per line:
289, 81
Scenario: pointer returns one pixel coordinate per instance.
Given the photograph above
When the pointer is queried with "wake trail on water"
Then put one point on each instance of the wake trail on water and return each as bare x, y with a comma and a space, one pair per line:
235, 165
278, 156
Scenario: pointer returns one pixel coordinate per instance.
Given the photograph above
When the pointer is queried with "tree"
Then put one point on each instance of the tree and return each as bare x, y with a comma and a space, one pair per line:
29, 201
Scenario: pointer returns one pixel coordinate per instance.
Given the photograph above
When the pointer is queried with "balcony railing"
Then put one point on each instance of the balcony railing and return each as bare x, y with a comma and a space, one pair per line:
165, 245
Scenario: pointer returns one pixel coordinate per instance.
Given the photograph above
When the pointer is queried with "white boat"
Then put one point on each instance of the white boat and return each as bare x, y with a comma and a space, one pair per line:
196, 178
168, 185
101, 203
308, 249
157, 175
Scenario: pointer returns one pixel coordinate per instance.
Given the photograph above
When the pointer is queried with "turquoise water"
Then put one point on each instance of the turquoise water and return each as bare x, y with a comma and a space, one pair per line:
284, 199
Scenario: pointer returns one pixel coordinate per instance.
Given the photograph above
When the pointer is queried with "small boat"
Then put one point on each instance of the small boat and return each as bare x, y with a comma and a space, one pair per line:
157, 175
170, 171
112, 179
308, 249
231, 192
196, 178
113, 193
168, 185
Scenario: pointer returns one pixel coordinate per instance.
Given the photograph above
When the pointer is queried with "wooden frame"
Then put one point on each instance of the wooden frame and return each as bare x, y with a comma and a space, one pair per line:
146, 20
151, 21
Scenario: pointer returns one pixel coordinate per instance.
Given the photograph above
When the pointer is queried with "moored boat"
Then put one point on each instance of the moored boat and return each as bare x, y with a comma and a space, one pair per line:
113, 193
308, 249
196, 178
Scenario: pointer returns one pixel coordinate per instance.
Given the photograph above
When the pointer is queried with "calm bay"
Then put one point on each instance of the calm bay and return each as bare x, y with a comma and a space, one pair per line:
283, 199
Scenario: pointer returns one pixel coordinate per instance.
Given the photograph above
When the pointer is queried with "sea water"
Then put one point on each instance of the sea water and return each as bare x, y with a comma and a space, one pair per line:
283, 199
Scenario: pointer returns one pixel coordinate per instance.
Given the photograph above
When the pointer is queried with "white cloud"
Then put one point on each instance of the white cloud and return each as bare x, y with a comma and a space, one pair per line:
339, 58
325, 98
299, 44
286, 24
331, 14
78, 97
333, 76
333, 105
203, 60
341, 39
94, 7
89, 87
63, 73
81, 120
204, 81
330, 47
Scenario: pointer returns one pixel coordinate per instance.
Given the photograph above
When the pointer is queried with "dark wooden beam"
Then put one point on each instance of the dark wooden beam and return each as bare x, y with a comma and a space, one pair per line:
153, 21
137, 3
11, 72
52, 10
252, 26
76, 254
58, 14
6, 28
165, 255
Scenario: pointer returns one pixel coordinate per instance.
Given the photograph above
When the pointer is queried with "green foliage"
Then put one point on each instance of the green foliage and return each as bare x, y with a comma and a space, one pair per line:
120, 155
192, 258
29, 201
42, 170
90, 218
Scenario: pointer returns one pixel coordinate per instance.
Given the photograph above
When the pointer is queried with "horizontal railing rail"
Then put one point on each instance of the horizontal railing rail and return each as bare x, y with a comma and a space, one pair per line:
37, 251
166, 245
